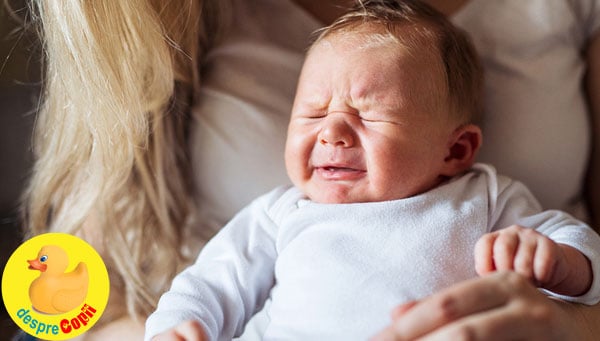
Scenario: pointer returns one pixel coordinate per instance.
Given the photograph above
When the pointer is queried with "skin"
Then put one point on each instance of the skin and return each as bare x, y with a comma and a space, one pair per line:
499, 306
357, 133
189, 330
354, 138
523, 312
556, 267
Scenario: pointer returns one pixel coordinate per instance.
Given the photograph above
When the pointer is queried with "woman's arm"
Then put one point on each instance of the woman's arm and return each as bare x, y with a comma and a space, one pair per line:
501, 306
586, 318
593, 92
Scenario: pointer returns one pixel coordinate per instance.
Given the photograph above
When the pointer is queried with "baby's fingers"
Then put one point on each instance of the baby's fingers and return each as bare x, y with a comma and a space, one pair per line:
186, 331
191, 331
522, 250
524, 263
544, 265
484, 254
505, 247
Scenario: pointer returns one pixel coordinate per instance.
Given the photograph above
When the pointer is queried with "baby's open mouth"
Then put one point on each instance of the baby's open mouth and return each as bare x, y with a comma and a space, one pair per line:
339, 173
339, 169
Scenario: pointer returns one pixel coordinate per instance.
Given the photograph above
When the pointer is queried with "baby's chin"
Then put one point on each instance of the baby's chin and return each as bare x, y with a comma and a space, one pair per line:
337, 196
351, 195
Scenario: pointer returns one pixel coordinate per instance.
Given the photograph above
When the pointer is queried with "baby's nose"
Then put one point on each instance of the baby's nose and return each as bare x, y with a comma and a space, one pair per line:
336, 131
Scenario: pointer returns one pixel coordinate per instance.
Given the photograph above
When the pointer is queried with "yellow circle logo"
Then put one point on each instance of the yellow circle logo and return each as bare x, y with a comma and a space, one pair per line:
55, 286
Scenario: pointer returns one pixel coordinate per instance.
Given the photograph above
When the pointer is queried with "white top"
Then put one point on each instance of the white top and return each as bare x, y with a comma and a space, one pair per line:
335, 271
536, 127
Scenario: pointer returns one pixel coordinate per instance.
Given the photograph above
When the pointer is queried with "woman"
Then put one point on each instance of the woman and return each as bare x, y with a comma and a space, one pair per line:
207, 85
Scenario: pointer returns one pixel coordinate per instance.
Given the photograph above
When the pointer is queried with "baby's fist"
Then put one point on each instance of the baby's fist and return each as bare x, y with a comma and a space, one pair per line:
522, 250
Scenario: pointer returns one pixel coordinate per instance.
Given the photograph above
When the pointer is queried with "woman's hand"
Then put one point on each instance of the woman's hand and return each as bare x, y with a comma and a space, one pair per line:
499, 306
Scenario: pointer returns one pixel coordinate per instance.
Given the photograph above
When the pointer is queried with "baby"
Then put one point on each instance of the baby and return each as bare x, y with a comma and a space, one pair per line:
387, 204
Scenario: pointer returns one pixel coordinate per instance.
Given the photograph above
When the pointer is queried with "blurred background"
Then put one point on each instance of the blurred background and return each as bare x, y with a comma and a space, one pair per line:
20, 57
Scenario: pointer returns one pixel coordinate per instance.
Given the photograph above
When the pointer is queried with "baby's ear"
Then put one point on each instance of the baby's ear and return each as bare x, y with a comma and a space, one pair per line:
463, 145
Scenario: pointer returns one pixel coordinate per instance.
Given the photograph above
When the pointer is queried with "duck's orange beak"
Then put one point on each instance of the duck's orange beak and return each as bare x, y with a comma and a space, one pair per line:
37, 265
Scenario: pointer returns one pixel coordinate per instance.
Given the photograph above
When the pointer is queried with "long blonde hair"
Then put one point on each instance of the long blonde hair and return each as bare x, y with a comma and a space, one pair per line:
111, 162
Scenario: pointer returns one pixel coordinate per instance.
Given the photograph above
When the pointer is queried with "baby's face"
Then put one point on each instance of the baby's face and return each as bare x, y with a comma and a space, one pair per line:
369, 121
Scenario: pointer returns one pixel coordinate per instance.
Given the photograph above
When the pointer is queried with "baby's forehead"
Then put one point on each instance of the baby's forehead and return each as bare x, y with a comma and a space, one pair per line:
363, 40
405, 38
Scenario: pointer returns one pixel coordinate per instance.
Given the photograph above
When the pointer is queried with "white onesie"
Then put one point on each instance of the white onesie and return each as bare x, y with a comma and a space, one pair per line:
335, 271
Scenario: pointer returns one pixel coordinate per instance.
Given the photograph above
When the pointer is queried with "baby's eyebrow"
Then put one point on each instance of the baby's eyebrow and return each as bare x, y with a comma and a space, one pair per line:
316, 102
315, 98
365, 101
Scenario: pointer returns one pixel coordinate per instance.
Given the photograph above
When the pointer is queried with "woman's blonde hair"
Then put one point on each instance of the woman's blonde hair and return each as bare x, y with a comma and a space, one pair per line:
111, 162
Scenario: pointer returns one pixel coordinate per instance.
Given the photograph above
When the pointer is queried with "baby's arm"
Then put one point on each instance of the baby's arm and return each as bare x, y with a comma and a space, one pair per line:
188, 331
230, 280
556, 267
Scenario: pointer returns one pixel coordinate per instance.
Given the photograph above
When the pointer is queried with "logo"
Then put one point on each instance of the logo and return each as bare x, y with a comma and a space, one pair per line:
55, 286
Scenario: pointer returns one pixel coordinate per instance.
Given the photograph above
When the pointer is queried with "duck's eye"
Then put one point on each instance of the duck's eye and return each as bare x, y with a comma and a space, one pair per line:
43, 258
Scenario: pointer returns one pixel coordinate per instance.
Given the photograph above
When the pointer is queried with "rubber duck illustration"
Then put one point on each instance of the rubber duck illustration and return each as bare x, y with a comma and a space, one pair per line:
54, 291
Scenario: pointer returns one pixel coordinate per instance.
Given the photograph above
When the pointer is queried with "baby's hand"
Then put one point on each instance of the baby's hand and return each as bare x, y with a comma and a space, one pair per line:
524, 251
186, 331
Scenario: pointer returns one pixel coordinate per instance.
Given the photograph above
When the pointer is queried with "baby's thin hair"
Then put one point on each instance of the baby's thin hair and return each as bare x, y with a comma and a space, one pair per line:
463, 71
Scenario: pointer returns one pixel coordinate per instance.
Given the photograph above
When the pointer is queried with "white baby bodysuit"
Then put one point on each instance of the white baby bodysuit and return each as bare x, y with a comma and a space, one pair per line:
335, 271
